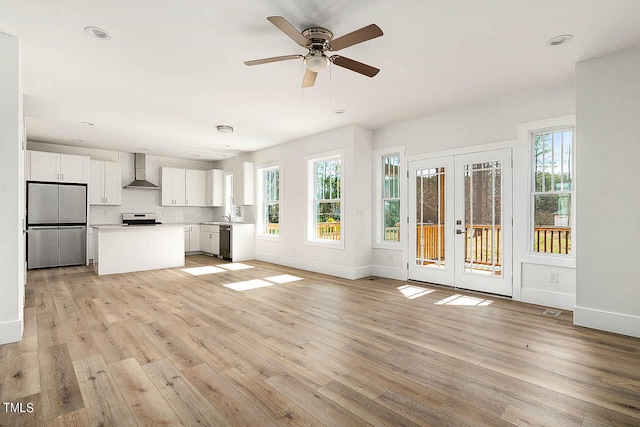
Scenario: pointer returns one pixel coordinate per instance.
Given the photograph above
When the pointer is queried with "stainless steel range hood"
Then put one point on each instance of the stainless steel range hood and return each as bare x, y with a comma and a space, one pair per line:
140, 181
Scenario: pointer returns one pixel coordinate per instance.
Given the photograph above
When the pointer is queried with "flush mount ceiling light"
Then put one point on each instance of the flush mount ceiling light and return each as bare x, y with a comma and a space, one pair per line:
224, 128
558, 40
96, 32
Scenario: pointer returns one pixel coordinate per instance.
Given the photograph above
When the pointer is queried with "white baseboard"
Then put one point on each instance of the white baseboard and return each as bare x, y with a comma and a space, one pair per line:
607, 321
318, 267
390, 272
548, 298
10, 332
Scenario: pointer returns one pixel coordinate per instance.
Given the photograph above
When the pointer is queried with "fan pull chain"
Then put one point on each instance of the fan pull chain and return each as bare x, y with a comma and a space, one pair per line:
330, 80
304, 69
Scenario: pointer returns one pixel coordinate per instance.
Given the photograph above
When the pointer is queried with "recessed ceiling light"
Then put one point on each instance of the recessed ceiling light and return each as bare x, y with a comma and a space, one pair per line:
96, 32
225, 128
77, 140
558, 40
226, 145
339, 111
87, 123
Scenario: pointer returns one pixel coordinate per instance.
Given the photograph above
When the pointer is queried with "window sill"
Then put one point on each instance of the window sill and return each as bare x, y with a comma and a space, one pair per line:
331, 244
556, 261
269, 237
388, 245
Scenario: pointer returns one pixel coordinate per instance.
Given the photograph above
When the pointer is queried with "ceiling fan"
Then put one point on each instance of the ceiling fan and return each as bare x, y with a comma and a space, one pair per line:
318, 41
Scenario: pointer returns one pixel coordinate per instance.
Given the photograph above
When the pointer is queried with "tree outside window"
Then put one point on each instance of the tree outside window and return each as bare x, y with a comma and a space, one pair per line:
552, 192
327, 199
270, 179
391, 198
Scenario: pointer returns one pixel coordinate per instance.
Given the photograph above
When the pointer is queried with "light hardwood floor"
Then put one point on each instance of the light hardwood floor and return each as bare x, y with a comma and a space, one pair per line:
165, 348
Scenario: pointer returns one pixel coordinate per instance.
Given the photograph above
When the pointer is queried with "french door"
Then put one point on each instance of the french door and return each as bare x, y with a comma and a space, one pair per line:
460, 221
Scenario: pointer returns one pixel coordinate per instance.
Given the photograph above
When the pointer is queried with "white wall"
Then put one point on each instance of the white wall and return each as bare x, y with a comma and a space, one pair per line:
12, 246
491, 125
136, 200
608, 205
291, 250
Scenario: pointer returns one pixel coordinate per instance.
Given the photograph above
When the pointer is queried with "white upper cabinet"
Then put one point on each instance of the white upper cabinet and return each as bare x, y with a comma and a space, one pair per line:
43, 166
195, 187
106, 183
183, 187
215, 187
243, 184
173, 192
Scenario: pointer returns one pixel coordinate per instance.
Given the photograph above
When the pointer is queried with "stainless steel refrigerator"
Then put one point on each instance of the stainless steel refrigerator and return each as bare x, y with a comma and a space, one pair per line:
56, 224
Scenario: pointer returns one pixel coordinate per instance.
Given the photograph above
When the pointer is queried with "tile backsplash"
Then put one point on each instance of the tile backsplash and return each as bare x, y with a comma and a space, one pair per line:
147, 201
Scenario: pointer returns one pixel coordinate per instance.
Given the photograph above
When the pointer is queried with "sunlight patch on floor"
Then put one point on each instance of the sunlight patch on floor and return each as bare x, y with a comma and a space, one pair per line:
413, 292
199, 271
464, 300
235, 266
283, 278
248, 285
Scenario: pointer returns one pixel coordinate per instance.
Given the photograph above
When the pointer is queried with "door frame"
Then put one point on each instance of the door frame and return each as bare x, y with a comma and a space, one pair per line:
515, 180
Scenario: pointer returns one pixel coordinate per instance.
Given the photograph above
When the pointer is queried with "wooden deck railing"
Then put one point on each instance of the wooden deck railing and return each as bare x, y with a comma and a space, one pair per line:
273, 228
552, 240
481, 242
325, 230
392, 234
328, 230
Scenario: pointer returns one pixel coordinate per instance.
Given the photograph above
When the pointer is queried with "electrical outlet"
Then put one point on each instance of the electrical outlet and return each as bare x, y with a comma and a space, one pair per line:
553, 277
390, 258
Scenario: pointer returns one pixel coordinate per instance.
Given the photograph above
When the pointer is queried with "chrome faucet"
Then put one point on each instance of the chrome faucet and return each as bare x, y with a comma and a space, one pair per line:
228, 217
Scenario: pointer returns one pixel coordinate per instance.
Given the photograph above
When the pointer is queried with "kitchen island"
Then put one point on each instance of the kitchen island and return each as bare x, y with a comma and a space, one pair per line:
127, 248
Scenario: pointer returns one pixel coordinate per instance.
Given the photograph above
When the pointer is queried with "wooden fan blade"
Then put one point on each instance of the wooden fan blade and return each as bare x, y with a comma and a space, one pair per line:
272, 59
289, 30
358, 36
309, 78
356, 66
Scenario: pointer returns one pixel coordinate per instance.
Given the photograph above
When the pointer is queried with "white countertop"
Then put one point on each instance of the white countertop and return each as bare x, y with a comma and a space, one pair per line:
225, 223
125, 226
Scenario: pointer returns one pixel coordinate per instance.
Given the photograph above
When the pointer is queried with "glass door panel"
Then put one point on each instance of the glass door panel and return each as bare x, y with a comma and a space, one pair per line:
431, 186
483, 201
430, 225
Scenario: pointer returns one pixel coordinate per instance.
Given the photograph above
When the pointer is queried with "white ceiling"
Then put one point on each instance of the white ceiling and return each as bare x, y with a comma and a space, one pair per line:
173, 69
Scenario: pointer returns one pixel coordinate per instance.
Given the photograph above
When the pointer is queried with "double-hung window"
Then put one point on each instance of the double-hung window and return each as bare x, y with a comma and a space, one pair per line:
325, 218
231, 211
552, 192
269, 201
390, 198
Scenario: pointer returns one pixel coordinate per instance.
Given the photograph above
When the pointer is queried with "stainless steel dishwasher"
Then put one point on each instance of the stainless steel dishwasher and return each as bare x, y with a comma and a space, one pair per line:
225, 241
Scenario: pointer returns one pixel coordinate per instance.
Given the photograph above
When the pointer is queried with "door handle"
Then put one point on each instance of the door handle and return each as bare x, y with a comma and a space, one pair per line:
459, 231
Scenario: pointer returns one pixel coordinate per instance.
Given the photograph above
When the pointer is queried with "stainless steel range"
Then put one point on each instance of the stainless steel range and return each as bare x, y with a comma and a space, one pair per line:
139, 219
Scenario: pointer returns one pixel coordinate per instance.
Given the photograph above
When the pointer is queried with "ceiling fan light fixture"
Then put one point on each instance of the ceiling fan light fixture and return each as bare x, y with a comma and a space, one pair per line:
316, 62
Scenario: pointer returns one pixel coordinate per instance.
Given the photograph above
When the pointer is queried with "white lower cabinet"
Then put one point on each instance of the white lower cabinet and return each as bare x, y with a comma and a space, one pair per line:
210, 239
192, 238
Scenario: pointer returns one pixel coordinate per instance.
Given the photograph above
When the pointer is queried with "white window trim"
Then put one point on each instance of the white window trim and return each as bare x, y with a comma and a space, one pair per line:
378, 195
310, 223
235, 209
260, 202
525, 133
